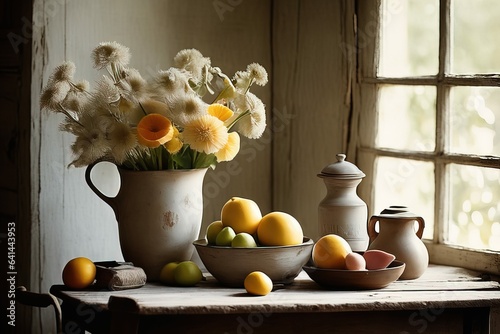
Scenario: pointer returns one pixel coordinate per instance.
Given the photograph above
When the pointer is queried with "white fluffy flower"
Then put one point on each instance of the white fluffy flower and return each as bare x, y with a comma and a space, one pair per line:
253, 124
258, 73
110, 52
193, 61
63, 72
53, 95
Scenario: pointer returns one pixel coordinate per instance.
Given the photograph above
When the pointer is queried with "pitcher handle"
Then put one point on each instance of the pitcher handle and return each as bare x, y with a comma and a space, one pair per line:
111, 201
372, 234
421, 226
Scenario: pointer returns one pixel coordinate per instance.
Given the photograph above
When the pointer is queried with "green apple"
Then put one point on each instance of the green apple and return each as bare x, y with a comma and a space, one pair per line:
225, 237
187, 273
212, 230
243, 240
167, 273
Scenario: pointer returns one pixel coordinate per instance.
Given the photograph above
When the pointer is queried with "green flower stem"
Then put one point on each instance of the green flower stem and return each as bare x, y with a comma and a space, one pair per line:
160, 163
142, 108
250, 83
240, 116
195, 157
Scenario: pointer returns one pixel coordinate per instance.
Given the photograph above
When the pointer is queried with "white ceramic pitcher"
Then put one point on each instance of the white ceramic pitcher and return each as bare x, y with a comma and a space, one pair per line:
159, 215
397, 236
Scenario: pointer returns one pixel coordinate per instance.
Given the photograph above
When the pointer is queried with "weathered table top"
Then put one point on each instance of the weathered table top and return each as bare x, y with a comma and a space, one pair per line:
440, 286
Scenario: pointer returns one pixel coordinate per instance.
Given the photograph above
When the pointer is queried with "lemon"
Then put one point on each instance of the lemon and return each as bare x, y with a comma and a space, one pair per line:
187, 273
258, 283
243, 240
212, 230
241, 214
79, 273
225, 237
279, 229
167, 273
330, 251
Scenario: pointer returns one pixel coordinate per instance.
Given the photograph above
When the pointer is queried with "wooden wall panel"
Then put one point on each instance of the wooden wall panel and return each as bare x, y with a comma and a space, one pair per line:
69, 220
307, 99
309, 102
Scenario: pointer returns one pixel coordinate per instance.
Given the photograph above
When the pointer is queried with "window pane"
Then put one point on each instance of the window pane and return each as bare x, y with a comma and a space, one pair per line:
475, 207
475, 120
409, 38
475, 46
406, 182
407, 117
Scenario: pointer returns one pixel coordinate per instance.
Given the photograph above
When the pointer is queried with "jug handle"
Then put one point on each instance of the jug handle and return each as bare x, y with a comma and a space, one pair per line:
109, 200
421, 226
372, 234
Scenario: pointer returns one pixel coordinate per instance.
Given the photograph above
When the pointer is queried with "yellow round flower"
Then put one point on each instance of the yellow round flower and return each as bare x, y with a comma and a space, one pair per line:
229, 151
175, 144
220, 111
205, 134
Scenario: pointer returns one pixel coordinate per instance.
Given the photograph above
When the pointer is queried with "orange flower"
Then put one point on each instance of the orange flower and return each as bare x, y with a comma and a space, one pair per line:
154, 130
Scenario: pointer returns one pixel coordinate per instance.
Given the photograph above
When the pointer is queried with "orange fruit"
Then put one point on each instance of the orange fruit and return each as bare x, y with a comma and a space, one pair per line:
279, 229
79, 273
257, 283
241, 214
330, 251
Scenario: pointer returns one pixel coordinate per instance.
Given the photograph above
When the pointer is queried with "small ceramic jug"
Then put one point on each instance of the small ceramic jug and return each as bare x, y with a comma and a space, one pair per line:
342, 212
397, 236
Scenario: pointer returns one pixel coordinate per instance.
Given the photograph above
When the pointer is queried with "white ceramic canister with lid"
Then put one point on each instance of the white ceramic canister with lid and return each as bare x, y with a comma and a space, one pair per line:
342, 212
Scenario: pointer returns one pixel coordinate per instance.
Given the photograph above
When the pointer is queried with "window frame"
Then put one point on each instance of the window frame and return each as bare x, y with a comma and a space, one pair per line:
364, 117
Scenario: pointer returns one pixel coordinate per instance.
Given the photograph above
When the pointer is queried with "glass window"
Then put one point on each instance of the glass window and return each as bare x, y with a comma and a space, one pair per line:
408, 183
474, 207
436, 145
408, 47
407, 117
474, 120
475, 28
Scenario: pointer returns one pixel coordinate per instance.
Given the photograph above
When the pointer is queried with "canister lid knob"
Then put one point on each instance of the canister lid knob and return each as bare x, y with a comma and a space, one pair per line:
342, 169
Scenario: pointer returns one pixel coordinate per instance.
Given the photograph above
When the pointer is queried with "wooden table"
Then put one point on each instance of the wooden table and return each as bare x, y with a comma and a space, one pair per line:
443, 300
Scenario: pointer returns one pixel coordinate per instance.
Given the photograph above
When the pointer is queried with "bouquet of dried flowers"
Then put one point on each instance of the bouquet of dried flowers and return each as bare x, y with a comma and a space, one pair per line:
160, 123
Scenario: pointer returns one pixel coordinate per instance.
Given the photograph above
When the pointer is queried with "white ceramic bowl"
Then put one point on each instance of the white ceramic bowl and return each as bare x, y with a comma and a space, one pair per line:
230, 265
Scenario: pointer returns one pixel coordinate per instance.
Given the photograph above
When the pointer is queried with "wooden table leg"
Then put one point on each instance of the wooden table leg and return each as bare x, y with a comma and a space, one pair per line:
124, 315
495, 320
124, 323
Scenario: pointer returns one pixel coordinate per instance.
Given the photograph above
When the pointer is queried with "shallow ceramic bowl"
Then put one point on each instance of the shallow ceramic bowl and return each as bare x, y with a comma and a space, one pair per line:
230, 265
337, 279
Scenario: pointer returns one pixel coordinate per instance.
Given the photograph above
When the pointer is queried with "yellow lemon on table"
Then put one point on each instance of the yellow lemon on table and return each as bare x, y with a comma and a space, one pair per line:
79, 273
187, 273
330, 252
241, 214
279, 229
258, 283
167, 273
